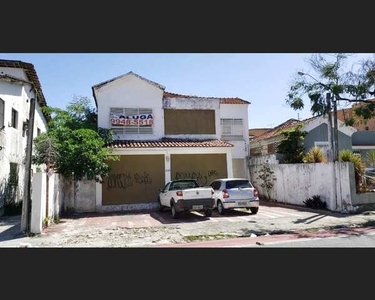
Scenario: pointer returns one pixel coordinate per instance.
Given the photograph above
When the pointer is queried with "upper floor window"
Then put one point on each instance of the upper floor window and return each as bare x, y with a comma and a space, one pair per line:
2, 108
189, 121
131, 120
14, 123
231, 129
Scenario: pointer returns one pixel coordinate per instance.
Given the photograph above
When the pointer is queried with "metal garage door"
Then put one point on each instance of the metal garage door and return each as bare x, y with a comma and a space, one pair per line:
134, 179
203, 167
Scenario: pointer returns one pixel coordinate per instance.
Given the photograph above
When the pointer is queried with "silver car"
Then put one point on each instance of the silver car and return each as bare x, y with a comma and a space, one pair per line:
232, 193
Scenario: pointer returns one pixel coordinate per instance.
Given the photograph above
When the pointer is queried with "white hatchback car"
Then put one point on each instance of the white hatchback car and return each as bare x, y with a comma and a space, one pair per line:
232, 193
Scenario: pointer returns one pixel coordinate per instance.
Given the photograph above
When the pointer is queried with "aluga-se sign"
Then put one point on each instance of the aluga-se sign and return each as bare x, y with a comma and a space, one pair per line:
141, 119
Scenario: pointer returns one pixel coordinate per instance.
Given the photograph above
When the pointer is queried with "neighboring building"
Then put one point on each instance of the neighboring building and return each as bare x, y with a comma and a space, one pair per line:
255, 132
364, 139
317, 135
161, 136
16, 81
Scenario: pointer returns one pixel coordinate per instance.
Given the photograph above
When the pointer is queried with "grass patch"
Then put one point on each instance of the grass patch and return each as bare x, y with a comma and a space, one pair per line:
209, 237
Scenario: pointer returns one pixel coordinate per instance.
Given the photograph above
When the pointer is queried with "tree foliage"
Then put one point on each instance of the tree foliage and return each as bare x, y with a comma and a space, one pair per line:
291, 146
346, 84
73, 145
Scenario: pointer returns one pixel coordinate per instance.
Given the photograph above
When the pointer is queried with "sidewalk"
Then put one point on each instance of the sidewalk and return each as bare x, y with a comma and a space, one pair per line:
270, 239
274, 222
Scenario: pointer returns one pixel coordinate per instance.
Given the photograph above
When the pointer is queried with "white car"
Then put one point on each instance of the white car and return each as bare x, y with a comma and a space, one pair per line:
232, 193
186, 195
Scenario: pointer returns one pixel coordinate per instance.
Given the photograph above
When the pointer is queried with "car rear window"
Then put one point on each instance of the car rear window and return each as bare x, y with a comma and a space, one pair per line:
233, 184
182, 185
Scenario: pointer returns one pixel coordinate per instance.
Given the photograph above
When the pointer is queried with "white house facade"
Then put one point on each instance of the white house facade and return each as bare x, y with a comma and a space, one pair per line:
161, 136
17, 80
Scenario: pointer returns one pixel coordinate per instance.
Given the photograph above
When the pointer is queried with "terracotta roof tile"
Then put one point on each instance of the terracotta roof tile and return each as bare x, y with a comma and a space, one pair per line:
168, 143
289, 124
222, 100
31, 75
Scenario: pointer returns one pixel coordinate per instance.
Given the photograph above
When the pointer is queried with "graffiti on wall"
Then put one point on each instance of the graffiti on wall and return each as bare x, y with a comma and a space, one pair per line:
126, 180
202, 178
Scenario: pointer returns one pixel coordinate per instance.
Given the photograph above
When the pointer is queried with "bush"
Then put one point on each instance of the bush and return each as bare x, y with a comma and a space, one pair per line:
359, 167
315, 155
315, 202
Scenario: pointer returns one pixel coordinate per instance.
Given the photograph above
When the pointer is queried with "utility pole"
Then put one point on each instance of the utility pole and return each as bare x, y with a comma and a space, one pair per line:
330, 134
336, 132
26, 205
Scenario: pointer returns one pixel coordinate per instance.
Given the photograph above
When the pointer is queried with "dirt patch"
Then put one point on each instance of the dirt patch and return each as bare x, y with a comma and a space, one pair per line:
209, 237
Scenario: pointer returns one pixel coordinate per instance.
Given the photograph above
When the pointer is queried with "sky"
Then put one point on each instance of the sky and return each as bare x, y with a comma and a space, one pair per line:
260, 78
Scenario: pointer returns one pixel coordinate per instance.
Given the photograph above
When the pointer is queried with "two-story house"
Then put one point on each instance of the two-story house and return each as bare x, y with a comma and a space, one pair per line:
18, 84
161, 136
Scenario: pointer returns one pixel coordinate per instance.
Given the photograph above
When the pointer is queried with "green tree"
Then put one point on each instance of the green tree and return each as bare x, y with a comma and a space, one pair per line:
73, 145
347, 84
291, 146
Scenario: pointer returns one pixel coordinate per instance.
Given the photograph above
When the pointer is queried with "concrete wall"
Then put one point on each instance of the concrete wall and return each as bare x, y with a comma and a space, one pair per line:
362, 198
38, 202
258, 160
240, 168
297, 182
77, 196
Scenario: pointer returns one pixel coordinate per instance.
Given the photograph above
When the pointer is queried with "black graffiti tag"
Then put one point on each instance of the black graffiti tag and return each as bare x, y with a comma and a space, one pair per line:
142, 179
119, 181
212, 173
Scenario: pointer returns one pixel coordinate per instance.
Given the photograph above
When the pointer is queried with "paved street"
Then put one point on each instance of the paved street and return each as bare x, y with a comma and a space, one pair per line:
160, 229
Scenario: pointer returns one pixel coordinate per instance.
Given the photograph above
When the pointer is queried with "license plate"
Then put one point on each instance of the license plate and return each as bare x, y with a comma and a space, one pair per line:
197, 207
241, 203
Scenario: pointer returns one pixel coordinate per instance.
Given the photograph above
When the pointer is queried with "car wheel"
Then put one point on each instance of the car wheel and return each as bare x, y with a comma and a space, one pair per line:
175, 214
220, 207
161, 207
208, 213
254, 210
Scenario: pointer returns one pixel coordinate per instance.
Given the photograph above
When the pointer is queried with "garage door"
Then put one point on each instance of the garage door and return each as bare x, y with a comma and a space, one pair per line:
203, 167
134, 179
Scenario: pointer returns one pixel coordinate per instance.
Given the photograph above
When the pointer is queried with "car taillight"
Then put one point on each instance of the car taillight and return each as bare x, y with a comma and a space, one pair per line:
225, 194
256, 194
179, 193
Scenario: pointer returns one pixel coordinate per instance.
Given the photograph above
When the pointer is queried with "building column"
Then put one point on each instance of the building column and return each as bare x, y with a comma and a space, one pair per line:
229, 164
167, 160
99, 193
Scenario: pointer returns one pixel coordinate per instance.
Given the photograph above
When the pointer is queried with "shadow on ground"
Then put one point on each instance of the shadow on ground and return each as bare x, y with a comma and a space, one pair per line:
324, 212
310, 219
10, 228
165, 217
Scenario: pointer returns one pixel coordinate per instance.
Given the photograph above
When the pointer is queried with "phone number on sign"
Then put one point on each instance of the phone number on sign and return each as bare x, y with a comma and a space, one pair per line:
131, 122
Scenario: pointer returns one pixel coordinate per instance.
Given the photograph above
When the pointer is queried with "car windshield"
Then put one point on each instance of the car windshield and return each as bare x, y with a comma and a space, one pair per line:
184, 184
233, 184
